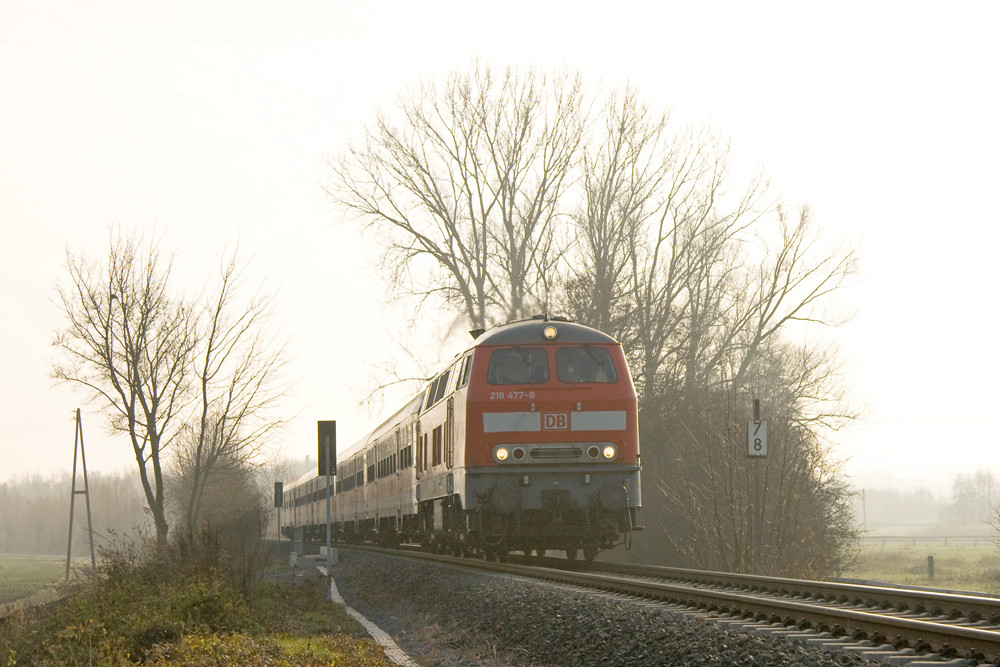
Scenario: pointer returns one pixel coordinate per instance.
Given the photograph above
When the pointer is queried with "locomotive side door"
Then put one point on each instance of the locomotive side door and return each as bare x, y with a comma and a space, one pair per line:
421, 447
449, 434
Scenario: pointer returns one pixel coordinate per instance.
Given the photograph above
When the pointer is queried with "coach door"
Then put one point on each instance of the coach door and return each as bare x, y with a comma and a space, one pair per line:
398, 470
371, 484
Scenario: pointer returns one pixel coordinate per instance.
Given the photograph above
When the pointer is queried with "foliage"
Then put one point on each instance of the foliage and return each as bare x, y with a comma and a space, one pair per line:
170, 607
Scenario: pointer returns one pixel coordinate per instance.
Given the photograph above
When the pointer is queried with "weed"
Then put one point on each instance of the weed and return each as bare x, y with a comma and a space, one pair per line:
155, 607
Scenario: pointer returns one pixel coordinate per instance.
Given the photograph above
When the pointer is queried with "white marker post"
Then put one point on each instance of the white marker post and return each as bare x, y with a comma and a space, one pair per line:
757, 450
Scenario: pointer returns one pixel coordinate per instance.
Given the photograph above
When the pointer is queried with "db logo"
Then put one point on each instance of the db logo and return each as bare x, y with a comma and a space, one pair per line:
555, 421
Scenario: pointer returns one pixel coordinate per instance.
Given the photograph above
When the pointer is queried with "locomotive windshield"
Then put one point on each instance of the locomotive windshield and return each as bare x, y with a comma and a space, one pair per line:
585, 364
574, 365
517, 365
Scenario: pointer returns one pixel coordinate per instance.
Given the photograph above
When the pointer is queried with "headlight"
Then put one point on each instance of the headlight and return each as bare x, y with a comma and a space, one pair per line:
610, 452
550, 332
501, 454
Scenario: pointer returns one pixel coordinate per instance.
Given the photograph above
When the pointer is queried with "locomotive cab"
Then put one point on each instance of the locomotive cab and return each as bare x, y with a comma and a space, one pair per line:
552, 449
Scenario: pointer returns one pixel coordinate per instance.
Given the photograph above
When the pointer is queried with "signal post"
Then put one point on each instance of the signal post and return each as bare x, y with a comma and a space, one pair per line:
327, 456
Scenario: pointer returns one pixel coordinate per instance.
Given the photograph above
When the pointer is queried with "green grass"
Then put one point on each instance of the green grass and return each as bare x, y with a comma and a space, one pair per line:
962, 566
24, 576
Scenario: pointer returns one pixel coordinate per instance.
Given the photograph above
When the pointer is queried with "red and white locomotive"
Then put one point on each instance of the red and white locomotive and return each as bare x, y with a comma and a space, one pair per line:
527, 441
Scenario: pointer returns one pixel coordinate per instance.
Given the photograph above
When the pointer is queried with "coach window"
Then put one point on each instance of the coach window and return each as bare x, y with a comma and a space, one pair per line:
438, 388
518, 365
585, 364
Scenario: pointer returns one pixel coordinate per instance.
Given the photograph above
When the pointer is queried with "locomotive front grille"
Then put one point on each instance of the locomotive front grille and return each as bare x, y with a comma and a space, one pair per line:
557, 453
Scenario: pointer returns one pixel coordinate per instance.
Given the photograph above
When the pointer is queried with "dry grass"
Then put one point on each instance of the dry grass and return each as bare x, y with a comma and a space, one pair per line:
965, 566
458, 645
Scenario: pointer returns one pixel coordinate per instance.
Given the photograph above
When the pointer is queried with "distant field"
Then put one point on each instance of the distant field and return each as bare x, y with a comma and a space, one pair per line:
958, 565
24, 576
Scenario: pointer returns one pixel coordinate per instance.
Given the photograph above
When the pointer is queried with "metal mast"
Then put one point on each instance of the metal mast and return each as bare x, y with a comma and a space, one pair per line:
78, 446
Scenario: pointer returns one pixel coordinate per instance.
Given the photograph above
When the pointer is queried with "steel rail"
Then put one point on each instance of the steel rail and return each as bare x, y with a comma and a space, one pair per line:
942, 603
769, 599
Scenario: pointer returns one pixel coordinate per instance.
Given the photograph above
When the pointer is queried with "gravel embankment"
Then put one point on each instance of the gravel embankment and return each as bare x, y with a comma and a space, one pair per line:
450, 617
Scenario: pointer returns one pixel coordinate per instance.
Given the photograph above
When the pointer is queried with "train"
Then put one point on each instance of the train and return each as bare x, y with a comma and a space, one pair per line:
528, 441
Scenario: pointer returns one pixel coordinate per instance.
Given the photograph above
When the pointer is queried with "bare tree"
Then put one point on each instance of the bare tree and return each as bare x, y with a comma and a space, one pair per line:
687, 256
129, 342
975, 497
622, 174
793, 284
700, 275
471, 180
658, 239
237, 369
725, 349
666, 245
203, 380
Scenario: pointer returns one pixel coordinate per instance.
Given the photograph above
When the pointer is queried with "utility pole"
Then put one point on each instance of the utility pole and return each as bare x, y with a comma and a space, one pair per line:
78, 446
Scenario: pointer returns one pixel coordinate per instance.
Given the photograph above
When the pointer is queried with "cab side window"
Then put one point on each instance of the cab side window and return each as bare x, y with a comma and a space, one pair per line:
466, 366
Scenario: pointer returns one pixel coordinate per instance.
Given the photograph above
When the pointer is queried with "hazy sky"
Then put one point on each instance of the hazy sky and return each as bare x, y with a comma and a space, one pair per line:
209, 122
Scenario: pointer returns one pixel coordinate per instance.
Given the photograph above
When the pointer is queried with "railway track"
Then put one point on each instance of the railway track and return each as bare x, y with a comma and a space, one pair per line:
882, 618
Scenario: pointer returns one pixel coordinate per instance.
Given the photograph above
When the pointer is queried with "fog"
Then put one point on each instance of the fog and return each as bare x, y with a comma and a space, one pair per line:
211, 124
